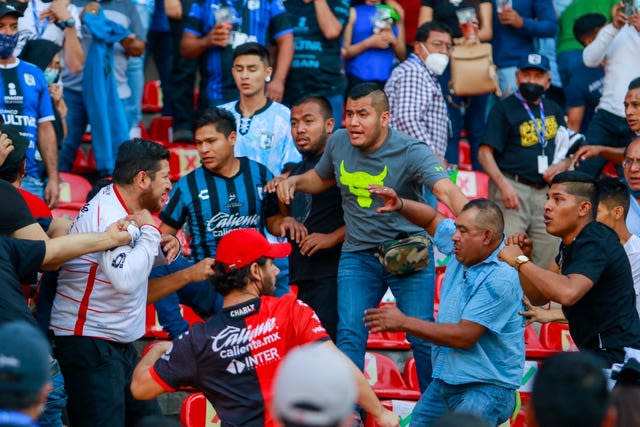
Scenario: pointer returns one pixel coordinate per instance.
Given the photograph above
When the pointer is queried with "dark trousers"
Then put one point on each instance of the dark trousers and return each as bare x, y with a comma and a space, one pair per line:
183, 77
607, 129
321, 294
161, 49
97, 375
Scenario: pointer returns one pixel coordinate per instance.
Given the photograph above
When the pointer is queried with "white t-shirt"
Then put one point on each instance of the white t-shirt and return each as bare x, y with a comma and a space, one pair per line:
104, 294
31, 27
632, 248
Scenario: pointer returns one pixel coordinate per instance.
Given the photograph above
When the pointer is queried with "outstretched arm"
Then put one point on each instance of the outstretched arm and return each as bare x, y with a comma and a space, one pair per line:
418, 213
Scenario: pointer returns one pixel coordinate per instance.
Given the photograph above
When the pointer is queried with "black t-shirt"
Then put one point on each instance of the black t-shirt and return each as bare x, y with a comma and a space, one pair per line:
605, 319
14, 212
20, 262
444, 11
315, 68
320, 213
512, 134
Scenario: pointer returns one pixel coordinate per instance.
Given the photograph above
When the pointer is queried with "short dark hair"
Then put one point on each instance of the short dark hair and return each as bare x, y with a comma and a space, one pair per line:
138, 155
489, 216
321, 101
222, 119
588, 25
226, 279
570, 389
10, 169
634, 84
580, 185
425, 30
379, 99
252, 48
612, 192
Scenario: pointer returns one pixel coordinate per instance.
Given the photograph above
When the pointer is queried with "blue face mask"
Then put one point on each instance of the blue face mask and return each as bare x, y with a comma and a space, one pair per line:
8, 45
51, 75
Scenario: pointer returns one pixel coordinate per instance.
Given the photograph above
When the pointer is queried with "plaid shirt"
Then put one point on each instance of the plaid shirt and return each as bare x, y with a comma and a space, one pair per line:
417, 105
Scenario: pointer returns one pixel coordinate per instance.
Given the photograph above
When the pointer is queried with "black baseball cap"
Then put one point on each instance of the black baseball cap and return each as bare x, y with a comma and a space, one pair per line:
7, 9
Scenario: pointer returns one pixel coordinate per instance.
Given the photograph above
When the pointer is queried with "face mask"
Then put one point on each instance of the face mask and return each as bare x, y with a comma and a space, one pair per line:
436, 62
18, 5
531, 91
7, 45
51, 75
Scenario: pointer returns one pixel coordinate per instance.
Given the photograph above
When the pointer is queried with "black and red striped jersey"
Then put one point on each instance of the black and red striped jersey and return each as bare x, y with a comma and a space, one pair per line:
233, 357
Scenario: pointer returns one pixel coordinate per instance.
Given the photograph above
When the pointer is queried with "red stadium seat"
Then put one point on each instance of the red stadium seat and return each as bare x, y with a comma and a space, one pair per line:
154, 328
385, 378
388, 341
556, 336
85, 162
464, 155
73, 191
473, 184
410, 374
610, 170
184, 158
198, 412
533, 348
161, 129
152, 97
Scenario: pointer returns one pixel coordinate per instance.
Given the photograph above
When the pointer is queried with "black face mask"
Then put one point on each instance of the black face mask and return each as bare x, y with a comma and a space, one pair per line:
531, 91
18, 5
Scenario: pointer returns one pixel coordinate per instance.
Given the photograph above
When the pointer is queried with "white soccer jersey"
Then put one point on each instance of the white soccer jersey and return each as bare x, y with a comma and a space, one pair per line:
104, 294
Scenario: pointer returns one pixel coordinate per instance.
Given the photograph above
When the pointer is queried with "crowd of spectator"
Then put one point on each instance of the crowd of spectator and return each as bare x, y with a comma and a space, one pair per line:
329, 137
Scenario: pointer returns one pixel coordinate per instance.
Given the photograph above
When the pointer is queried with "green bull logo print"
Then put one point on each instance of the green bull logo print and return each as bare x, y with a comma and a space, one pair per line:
358, 183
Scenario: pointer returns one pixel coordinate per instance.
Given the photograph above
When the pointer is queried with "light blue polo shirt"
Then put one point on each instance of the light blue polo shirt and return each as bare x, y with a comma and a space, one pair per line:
489, 294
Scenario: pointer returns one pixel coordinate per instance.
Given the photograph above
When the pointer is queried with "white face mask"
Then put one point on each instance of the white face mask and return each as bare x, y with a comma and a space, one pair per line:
436, 62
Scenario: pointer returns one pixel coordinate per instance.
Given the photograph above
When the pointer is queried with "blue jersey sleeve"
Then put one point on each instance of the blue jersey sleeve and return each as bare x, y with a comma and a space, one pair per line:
174, 213
279, 23
194, 23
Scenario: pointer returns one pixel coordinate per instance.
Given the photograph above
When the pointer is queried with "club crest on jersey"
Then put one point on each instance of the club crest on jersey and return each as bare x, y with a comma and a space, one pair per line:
253, 4
29, 79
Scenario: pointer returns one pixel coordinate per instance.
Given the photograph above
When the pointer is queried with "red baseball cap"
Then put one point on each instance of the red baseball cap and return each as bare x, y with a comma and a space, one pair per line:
241, 247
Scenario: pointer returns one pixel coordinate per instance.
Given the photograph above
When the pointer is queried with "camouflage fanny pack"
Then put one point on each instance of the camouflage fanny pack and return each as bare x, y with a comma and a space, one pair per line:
403, 256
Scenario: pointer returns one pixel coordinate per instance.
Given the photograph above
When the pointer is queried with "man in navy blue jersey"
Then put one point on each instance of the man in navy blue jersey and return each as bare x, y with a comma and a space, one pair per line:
214, 28
224, 194
25, 103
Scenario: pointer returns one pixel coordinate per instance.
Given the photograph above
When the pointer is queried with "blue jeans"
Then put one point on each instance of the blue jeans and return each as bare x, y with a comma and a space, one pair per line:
135, 72
464, 113
77, 120
56, 400
201, 296
33, 185
362, 281
492, 403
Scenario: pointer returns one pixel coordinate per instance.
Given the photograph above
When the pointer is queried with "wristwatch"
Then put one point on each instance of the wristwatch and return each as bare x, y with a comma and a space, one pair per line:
67, 23
521, 259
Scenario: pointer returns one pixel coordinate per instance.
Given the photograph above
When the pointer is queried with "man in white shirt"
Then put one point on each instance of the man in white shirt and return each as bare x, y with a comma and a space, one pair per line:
99, 307
618, 47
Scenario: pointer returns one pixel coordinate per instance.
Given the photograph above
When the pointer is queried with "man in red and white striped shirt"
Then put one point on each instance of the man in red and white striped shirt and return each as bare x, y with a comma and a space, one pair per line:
99, 307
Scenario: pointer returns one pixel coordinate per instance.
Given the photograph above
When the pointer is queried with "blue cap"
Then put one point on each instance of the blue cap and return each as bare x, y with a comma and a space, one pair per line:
534, 60
24, 358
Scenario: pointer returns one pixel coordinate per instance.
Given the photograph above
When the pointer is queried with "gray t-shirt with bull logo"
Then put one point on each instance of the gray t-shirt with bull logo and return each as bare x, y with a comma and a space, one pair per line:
402, 163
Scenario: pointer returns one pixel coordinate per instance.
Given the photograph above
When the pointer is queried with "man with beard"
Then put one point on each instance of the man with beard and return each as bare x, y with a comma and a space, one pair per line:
99, 306
233, 357
313, 263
